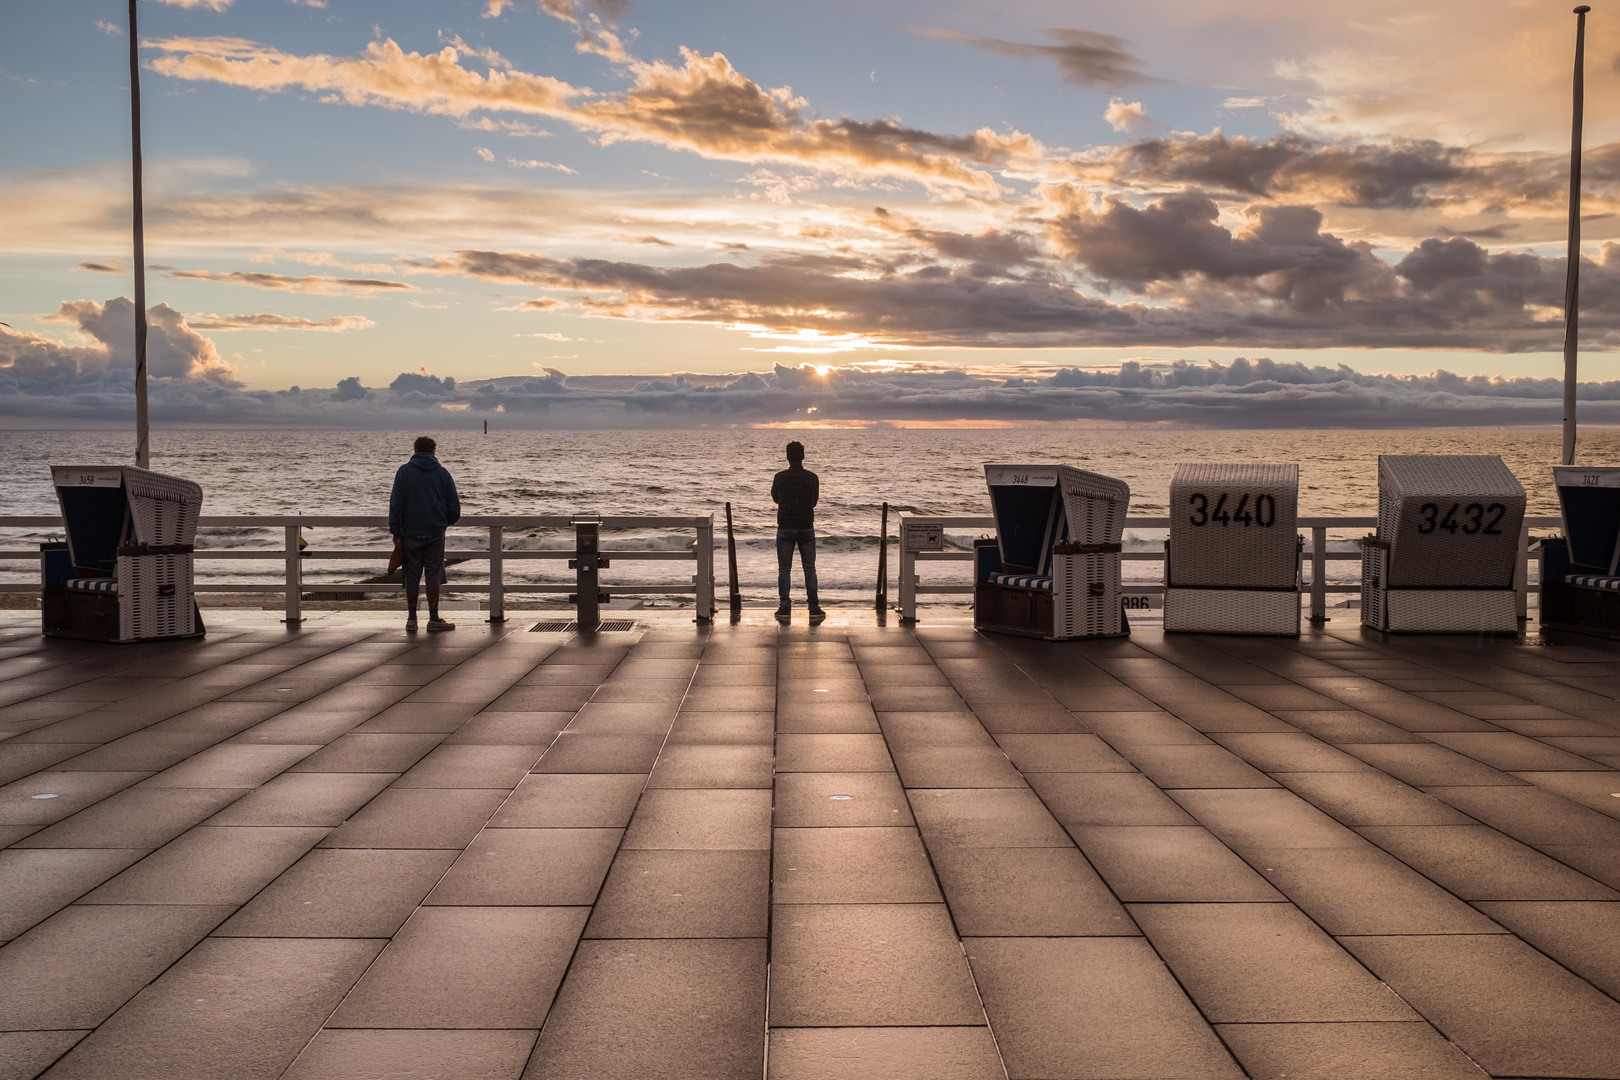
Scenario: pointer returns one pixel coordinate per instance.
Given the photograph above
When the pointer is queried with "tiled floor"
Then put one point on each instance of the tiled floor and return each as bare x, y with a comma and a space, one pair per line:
857, 851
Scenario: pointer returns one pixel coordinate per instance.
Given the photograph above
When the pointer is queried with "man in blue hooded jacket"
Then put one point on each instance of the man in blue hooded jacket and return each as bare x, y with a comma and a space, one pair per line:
423, 505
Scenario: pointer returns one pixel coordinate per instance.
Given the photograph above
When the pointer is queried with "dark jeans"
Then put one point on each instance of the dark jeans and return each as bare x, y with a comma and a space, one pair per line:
805, 541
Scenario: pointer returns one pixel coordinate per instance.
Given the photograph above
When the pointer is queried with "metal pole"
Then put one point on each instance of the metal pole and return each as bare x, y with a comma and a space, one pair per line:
1572, 275
586, 565
882, 600
705, 570
731, 563
908, 580
1318, 575
1521, 575
143, 449
295, 576
497, 576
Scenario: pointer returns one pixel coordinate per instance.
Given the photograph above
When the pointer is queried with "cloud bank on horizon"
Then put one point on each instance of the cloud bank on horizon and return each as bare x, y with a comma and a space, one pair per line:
1405, 195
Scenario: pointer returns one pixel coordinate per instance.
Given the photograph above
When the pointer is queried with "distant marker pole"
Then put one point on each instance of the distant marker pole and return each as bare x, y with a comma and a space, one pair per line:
1572, 277
143, 449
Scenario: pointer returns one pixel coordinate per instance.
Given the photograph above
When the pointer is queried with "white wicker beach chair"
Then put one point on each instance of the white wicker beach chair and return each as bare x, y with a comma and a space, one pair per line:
1052, 570
1232, 561
1448, 537
125, 573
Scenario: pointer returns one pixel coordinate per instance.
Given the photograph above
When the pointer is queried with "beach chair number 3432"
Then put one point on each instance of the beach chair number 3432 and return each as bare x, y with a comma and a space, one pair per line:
1258, 510
1474, 519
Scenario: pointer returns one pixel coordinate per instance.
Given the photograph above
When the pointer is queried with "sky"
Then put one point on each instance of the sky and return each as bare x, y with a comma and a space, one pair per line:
1241, 212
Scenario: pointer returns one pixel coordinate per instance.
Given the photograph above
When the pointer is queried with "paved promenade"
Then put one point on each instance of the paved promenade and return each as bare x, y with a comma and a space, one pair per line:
853, 852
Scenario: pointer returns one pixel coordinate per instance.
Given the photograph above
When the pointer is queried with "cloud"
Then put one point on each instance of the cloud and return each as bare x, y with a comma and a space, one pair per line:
703, 105
109, 266
317, 258
316, 284
484, 152
109, 28
1131, 116
308, 3
350, 390
211, 5
1243, 103
173, 349
1088, 59
278, 322
531, 163
572, 11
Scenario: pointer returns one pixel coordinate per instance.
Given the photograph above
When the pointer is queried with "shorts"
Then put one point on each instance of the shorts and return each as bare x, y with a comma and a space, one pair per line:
423, 558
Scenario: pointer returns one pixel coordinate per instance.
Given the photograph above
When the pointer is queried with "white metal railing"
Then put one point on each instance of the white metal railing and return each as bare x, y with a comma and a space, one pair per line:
496, 554
911, 586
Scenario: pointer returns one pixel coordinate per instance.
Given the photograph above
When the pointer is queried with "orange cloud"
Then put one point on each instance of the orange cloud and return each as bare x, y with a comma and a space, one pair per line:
317, 284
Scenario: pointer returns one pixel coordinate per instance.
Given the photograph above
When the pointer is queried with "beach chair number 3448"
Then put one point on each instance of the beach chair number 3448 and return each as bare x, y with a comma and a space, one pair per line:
1262, 511
1473, 520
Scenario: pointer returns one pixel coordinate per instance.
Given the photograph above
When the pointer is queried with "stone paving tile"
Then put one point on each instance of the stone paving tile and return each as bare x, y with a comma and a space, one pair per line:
474, 766
1254, 818
1509, 751
1532, 815
467, 967
856, 1053
832, 753
577, 753
916, 730
675, 1009
354, 893
1077, 799
1026, 892
232, 765
956, 767
868, 965
1364, 890
640, 691
807, 800
209, 866
571, 801
1366, 1051
1263, 963
534, 867
712, 766
79, 966
1194, 767
701, 820
1370, 798
304, 799
1599, 791
718, 728
26, 1054
852, 866
24, 759
684, 894
370, 752
1170, 864
1092, 1009
985, 818
1227, 716
20, 802
408, 1055
1145, 729
1508, 1007
1478, 863
34, 885
1062, 753
418, 818
135, 818
1584, 937
826, 717
233, 1007
1292, 752
623, 718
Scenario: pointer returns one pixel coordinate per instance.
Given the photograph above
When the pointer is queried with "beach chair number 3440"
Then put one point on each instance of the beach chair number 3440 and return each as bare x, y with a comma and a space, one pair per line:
1473, 520
1261, 511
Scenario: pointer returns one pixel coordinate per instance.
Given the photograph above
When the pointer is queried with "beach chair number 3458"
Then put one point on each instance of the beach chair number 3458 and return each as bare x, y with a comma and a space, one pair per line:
1258, 510
1473, 520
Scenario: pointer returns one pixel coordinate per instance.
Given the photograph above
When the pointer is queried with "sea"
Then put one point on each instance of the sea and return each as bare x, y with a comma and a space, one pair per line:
699, 471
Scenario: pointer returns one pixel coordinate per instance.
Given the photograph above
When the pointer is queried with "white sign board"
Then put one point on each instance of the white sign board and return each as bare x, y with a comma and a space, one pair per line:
68, 476
1141, 601
924, 536
1021, 476
1573, 476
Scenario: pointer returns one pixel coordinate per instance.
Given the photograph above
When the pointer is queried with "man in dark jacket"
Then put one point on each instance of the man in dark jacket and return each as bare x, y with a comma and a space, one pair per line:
423, 505
795, 491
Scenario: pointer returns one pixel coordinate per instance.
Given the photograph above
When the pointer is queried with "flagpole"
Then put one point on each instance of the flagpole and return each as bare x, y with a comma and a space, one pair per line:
1572, 277
143, 449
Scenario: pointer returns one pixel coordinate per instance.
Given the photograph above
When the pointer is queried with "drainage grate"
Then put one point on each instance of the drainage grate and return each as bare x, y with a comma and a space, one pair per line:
559, 626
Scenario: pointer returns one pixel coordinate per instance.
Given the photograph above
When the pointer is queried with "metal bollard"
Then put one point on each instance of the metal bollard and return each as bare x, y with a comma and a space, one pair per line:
497, 573
881, 600
1318, 575
295, 578
587, 564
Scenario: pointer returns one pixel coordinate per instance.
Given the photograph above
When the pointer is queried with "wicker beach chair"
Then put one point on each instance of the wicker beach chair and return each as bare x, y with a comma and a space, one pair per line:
1448, 538
1052, 570
1231, 564
125, 572
1580, 571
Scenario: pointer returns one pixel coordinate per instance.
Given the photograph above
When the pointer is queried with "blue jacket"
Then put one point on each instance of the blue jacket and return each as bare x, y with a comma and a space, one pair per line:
424, 500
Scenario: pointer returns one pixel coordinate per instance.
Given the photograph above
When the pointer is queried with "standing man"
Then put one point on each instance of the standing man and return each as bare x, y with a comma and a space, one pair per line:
423, 505
795, 491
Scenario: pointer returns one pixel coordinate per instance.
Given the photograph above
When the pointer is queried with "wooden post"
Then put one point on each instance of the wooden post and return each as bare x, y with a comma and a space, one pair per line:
881, 602
1572, 274
295, 577
731, 564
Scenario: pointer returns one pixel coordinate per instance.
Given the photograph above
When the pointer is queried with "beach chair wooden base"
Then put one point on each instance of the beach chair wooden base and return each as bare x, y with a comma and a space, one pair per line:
1232, 611
1580, 610
1012, 609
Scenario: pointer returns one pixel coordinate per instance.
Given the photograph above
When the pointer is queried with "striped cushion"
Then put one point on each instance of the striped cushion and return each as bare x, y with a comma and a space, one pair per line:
1594, 581
94, 584
1025, 581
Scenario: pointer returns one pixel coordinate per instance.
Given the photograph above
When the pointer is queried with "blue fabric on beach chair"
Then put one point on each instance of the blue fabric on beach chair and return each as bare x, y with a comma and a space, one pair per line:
93, 584
1594, 581
1023, 581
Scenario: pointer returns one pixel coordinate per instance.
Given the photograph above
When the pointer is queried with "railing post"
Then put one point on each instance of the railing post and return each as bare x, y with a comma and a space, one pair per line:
1521, 575
881, 601
1318, 574
705, 569
908, 579
295, 576
586, 565
497, 579
731, 564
